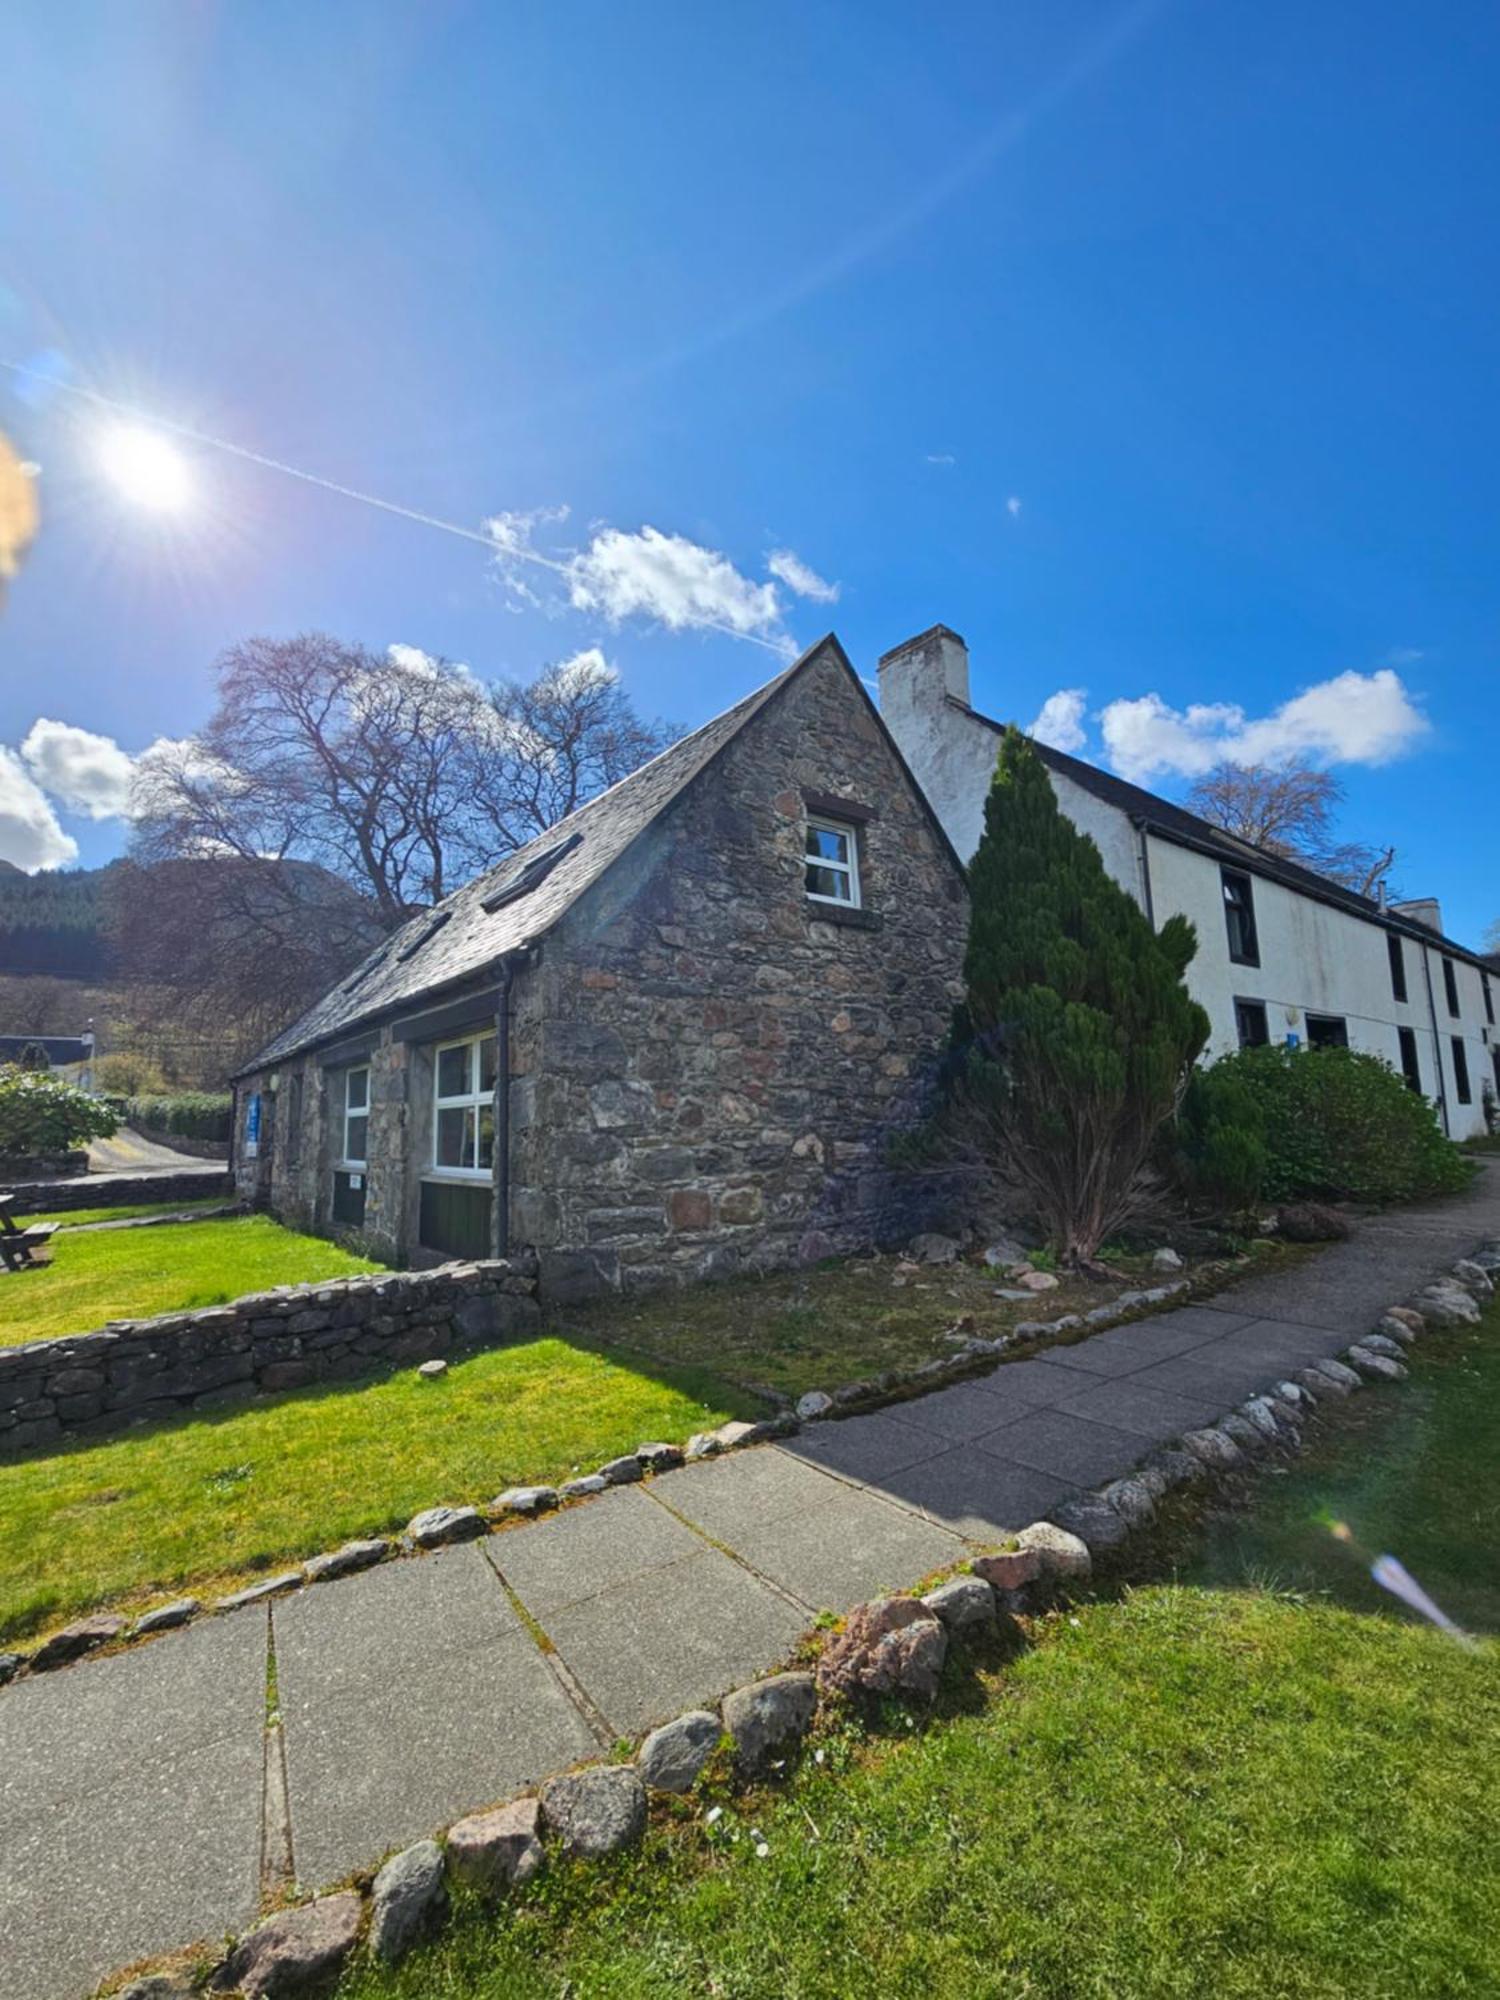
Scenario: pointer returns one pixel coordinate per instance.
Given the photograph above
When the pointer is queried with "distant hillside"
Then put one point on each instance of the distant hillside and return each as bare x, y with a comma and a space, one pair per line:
53, 923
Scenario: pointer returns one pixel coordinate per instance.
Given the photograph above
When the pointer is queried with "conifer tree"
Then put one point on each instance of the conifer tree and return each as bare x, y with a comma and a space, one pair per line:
1077, 1033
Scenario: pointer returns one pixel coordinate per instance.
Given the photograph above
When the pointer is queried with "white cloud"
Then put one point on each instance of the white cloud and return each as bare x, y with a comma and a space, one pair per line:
1351, 719
941, 458
1013, 506
791, 570
1060, 720
580, 673
673, 581
30, 836
84, 772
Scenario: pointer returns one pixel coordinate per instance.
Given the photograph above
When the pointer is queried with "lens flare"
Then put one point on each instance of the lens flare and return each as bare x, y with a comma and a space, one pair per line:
145, 468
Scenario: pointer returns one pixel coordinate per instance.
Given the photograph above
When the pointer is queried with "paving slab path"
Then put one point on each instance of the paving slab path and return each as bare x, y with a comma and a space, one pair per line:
144, 1803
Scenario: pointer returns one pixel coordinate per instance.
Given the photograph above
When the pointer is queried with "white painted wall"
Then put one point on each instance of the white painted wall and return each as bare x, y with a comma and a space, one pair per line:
1314, 958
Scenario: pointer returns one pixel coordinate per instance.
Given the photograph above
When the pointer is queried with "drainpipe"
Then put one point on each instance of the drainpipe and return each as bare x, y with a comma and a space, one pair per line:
501, 1230
234, 1127
1144, 852
1437, 1045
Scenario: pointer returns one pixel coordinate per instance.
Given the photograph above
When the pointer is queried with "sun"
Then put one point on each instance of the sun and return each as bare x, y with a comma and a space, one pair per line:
146, 469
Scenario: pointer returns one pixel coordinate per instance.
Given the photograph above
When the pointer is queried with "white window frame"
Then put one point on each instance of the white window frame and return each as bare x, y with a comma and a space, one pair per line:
849, 834
347, 1161
474, 1098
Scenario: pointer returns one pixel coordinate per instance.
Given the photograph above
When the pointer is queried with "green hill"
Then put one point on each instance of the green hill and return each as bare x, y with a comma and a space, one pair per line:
53, 923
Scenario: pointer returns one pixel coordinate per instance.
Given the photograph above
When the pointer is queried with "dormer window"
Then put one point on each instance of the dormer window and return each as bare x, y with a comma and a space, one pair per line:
832, 862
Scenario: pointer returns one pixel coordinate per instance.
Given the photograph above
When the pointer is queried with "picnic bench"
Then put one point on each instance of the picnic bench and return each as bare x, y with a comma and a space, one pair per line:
19, 1247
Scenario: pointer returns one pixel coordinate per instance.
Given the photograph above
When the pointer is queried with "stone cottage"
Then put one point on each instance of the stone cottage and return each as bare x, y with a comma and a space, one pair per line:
668, 1039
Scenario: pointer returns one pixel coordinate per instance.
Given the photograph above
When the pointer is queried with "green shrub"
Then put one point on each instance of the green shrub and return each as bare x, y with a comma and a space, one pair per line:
1218, 1141
40, 1114
191, 1114
1335, 1123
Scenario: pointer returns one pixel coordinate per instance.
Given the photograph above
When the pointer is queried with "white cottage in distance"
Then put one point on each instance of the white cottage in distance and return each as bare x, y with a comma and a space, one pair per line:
1283, 953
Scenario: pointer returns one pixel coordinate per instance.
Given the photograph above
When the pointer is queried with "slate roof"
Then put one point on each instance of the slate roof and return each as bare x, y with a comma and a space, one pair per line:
1172, 823
459, 939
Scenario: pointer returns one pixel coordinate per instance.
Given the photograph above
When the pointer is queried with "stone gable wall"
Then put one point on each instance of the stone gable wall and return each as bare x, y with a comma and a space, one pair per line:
134, 1370
719, 1064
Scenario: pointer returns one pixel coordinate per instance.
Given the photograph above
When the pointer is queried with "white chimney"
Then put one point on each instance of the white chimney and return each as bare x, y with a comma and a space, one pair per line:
924, 702
1423, 910
920, 673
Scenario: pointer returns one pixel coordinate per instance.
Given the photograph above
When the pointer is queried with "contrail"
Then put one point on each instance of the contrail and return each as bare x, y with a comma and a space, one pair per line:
510, 551
155, 423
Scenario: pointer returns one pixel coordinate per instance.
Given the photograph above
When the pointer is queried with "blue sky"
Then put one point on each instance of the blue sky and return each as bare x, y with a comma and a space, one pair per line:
1152, 347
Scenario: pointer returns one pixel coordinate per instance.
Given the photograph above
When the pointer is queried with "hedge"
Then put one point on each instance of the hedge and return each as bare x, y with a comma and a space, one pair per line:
191, 1114
1332, 1123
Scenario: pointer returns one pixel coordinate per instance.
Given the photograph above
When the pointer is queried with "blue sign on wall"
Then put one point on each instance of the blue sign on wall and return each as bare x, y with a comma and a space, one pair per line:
252, 1127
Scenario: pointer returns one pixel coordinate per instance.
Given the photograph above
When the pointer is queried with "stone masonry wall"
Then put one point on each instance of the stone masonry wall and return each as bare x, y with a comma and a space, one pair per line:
716, 1064
134, 1370
116, 1190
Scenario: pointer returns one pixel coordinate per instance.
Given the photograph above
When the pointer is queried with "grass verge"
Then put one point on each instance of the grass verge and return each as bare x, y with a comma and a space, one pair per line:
133, 1273
202, 1500
1208, 1786
1178, 1794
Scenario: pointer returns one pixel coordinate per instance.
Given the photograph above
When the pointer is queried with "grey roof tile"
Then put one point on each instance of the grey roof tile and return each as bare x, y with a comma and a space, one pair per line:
460, 938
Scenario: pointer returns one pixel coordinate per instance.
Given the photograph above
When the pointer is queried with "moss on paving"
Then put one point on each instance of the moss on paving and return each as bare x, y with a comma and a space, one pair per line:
197, 1502
133, 1273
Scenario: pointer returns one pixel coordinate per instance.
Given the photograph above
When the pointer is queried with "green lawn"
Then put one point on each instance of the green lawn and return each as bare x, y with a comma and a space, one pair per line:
207, 1498
132, 1273
71, 1218
1205, 1787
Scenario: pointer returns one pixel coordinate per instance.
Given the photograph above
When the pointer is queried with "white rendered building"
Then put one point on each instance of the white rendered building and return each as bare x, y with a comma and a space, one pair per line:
1284, 954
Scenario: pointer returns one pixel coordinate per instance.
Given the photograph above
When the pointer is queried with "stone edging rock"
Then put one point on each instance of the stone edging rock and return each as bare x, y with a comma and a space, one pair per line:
893, 1646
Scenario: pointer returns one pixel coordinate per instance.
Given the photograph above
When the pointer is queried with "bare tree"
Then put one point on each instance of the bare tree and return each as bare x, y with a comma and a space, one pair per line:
217, 953
1290, 809
398, 774
553, 743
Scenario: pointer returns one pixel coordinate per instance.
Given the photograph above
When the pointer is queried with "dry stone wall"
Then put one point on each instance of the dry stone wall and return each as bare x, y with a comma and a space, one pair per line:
134, 1370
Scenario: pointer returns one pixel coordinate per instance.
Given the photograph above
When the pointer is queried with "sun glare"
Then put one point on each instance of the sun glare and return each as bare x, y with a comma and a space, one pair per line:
146, 469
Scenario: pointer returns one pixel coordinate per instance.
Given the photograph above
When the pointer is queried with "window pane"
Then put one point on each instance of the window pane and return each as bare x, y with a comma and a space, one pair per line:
455, 1138
453, 1071
357, 1087
486, 1135
827, 844
355, 1129
487, 1065
831, 882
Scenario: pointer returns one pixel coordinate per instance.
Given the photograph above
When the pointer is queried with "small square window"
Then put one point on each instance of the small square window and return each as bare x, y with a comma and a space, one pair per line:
1239, 917
1327, 1031
832, 863
1250, 1021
